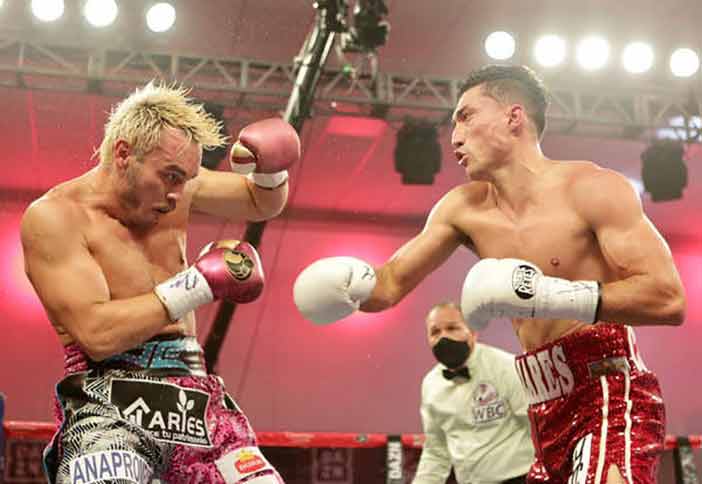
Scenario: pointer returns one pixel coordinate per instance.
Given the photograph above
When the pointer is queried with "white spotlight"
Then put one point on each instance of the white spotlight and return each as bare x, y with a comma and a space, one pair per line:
500, 45
593, 53
550, 50
47, 10
637, 57
684, 62
160, 17
100, 13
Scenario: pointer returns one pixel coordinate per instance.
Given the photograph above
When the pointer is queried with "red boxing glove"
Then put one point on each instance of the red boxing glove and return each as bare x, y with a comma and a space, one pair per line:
232, 269
264, 151
229, 270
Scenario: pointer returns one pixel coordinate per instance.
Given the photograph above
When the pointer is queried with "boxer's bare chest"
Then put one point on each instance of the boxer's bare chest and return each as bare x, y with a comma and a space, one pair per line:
549, 233
134, 262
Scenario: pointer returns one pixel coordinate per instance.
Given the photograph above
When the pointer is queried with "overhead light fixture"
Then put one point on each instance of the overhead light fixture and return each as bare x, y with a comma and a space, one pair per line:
417, 152
500, 45
160, 17
100, 13
370, 25
47, 10
684, 62
550, 50
592, 53
637, 57
663, 170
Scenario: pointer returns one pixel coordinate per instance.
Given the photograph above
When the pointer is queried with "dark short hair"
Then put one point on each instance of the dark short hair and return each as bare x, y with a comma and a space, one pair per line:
512, 83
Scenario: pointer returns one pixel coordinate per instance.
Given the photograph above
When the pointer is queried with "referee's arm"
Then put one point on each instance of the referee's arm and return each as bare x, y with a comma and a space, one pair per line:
516, 395
434, 464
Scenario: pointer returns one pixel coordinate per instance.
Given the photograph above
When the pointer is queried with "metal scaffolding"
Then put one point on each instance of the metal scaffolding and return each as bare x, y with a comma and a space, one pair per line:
630, 112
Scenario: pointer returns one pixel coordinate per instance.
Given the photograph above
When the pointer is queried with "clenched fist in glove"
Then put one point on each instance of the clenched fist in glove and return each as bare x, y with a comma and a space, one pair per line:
229, 270
333, 288
514, 288
264, 151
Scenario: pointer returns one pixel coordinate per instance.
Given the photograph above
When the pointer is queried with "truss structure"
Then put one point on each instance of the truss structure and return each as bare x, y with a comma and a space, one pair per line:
587, 109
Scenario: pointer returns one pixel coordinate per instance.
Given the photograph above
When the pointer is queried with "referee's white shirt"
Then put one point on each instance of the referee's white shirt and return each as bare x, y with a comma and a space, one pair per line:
479, 426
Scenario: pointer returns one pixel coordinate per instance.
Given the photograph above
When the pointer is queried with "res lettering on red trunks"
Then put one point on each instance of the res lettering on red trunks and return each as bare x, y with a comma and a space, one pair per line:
545, 374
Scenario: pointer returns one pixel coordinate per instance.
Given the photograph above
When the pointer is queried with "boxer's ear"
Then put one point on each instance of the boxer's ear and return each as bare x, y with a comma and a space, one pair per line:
121, 153
516, 117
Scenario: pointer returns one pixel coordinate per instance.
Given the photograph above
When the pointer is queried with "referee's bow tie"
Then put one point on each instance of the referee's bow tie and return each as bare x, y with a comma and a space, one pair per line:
451, 374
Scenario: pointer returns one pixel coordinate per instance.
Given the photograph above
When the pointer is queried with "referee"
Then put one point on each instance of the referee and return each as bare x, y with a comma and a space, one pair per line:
474, 411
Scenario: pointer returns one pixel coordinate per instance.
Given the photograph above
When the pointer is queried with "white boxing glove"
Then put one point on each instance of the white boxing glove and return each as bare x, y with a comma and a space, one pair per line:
514, 288
331, 289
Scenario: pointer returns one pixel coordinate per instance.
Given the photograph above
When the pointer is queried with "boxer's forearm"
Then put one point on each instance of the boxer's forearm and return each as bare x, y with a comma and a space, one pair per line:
112, 327
386, 292
267, 202
643, 300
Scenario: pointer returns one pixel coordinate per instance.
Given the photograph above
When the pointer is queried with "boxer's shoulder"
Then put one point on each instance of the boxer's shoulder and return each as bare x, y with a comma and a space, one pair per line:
474, 195
581, 174
54, 212
592, 188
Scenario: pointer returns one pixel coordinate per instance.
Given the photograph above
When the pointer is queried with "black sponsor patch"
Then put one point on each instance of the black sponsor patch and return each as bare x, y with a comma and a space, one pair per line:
523, 279
168, 412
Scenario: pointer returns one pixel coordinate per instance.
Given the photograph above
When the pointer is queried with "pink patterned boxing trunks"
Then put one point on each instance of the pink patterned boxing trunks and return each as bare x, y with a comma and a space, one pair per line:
592, 404
151, 413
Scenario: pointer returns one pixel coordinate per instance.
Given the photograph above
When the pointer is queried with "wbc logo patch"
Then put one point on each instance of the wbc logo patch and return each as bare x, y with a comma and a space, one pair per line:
487, 404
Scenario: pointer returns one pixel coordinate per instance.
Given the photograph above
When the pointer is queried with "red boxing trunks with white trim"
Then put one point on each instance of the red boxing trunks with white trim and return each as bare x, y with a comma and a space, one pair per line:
593, 404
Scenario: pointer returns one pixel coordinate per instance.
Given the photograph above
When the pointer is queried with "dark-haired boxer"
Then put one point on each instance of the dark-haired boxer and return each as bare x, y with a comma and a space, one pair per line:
563, 246
106, 253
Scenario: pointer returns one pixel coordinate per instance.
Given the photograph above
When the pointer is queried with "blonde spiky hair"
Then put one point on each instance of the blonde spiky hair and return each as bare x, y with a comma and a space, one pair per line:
139, 118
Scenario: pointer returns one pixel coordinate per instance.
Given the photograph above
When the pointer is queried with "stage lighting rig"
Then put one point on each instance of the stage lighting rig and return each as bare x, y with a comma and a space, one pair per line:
663, 170
370, 27
335, 14
417, 152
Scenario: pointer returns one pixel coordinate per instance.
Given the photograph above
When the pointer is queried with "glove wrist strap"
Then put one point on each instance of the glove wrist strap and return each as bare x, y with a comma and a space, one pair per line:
269, 180
562, 299
184, 292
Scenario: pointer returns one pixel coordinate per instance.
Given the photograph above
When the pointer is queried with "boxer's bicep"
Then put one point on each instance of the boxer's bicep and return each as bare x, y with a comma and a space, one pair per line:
646, 288
67, 279
629, 242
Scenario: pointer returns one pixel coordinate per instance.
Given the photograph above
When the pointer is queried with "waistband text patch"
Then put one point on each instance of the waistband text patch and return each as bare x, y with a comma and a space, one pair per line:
169, 412
110, 464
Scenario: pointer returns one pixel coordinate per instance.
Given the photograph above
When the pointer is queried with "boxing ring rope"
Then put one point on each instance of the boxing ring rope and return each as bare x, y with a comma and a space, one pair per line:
21, 430
396, 453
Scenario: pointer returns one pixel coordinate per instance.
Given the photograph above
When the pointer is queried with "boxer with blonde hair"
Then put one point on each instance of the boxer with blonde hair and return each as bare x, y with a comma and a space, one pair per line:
106, 254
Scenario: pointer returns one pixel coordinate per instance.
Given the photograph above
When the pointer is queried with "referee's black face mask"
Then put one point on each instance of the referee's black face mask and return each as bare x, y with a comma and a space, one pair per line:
450, 352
